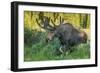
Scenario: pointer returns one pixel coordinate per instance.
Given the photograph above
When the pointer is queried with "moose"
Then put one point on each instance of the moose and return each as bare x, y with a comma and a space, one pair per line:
67, 34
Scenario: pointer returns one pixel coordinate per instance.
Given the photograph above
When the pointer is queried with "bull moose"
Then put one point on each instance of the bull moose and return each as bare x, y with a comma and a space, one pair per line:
68, 35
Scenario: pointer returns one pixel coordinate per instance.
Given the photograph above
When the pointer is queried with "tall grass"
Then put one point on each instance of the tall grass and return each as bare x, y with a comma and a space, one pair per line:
37, 49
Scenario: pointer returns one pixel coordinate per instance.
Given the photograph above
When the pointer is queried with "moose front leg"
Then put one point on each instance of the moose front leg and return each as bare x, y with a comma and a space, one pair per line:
60, 50
64, 50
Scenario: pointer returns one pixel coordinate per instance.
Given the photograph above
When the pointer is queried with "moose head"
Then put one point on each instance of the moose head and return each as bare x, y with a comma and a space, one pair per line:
48, 24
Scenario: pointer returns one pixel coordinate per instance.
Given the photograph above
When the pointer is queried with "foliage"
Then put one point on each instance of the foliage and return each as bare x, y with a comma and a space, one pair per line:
80, 20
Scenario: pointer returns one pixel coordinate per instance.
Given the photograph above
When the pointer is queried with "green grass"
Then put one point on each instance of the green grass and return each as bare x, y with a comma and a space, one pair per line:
40, 50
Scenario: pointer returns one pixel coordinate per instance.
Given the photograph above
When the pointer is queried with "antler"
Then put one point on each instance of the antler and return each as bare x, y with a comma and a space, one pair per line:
44, 22
53, 23
61, 20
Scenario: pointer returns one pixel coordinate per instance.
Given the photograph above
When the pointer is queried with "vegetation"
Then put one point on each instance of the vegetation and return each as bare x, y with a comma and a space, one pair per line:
37, 49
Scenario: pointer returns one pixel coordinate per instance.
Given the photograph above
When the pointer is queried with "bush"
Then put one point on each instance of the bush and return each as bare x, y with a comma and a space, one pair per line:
32, 36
